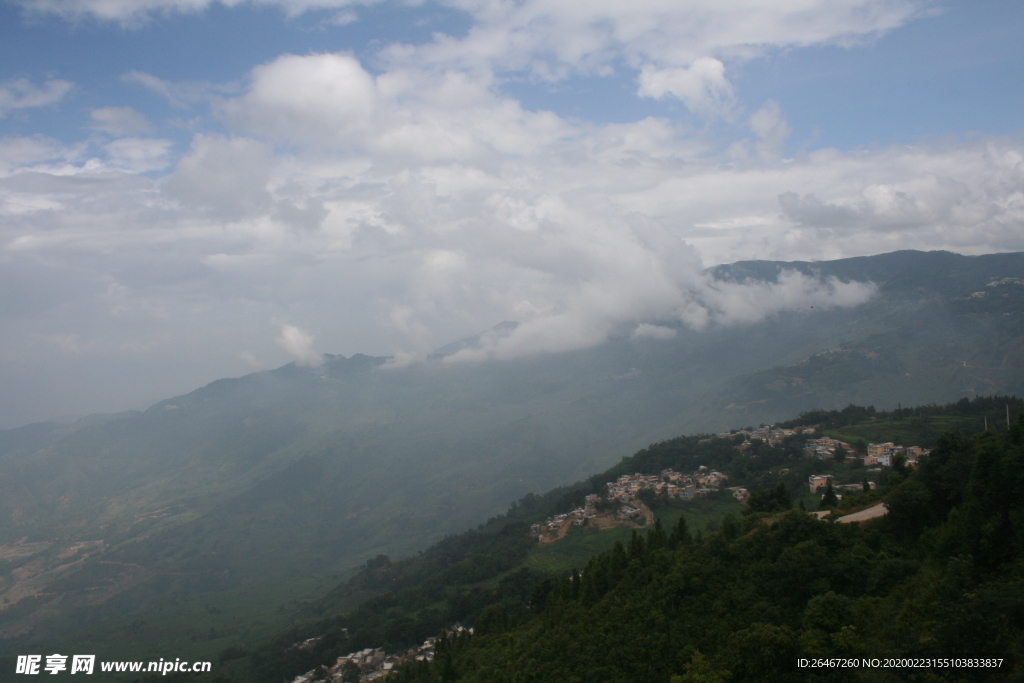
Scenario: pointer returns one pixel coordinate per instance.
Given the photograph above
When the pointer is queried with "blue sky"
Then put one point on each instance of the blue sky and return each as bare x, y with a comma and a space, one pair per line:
192, 189
952, 71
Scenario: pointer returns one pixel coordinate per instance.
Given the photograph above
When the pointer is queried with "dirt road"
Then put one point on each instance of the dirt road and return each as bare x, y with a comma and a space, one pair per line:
871, 513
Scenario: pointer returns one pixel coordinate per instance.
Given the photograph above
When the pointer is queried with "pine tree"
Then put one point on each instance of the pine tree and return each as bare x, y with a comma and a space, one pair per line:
636, 547
829, 500
680, 533
656, 537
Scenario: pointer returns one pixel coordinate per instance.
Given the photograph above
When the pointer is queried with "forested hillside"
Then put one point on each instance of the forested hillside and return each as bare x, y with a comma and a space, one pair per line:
940, 574
940, 577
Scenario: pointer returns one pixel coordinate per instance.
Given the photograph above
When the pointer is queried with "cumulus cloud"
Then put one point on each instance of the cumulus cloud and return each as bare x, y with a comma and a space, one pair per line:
21, 93
316, 99
406, 115
702, 86
298, 344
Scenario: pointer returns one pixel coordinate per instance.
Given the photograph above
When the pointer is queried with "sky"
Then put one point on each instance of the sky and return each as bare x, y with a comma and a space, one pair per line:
196, 189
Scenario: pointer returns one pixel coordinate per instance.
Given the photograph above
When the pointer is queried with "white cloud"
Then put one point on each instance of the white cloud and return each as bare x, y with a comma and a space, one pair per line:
702, 86
139, 155
734, 303
226, 177
119, 121
657, 332
180, 94
20, 93
344, 18
298, 344
771, 129
28, 152
404, 116
551, 39
693, 299
325, 99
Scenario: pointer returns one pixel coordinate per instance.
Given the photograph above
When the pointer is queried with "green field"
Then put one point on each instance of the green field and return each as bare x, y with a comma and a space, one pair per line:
922, 430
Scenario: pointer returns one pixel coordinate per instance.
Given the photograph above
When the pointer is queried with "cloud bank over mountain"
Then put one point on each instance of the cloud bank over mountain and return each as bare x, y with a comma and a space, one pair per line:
391, 202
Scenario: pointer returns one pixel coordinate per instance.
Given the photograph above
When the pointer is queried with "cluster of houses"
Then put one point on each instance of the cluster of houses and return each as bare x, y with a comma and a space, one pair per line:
669, 483
623, 495
825, 447
577, 517
624, 492
882, 454
1006, 281
771, 435
371, 664
878, 454
995, 283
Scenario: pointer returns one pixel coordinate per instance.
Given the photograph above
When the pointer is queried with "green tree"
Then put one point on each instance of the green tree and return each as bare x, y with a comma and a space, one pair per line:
494, 619
680, 534
350, 672
700, 670
829, 500
769, 500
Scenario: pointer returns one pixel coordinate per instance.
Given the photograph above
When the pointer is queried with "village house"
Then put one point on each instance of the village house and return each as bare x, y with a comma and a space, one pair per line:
825, 447
739, 493
818, 481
